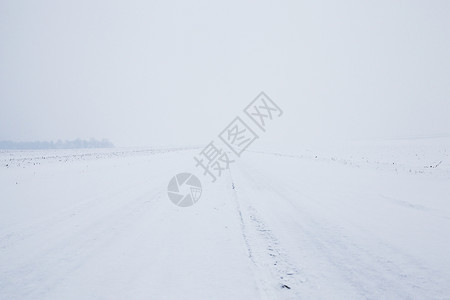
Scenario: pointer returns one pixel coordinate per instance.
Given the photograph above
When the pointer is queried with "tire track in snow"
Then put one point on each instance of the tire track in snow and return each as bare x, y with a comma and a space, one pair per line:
369, 272
276, 276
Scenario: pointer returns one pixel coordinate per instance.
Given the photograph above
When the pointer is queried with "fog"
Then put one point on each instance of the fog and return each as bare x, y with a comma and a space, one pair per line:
152, 73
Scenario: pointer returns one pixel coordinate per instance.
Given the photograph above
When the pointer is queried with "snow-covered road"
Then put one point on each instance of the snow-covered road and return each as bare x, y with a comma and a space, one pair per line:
99, 225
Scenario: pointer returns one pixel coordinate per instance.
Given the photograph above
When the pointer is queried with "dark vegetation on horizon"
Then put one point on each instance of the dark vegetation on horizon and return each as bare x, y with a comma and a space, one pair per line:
59, 144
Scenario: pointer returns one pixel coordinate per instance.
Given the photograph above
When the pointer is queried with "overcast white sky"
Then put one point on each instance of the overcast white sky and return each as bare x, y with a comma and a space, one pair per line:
177, 72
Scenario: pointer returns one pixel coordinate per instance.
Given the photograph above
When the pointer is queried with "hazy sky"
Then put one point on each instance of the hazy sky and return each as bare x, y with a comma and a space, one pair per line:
177, 72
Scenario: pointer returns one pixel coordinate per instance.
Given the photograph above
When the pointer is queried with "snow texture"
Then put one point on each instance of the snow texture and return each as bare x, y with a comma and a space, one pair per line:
354, 221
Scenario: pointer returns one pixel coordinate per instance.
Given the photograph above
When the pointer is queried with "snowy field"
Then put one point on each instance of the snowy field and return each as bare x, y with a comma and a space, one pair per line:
359, 220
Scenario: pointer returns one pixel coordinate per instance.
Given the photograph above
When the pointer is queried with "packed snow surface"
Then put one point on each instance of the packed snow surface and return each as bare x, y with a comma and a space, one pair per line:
351, 221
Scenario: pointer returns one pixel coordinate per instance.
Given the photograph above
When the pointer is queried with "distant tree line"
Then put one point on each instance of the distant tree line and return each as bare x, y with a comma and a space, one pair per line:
59, 144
